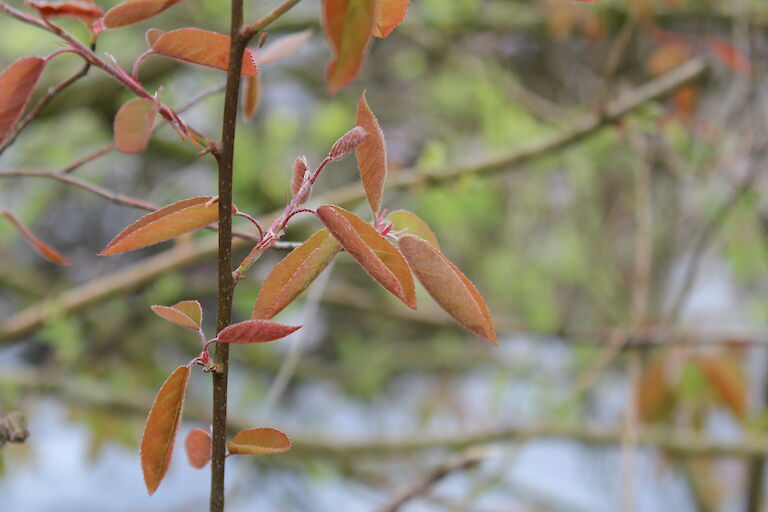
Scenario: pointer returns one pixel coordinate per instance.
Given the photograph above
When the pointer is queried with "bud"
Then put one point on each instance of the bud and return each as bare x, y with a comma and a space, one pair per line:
300, 169
347, 143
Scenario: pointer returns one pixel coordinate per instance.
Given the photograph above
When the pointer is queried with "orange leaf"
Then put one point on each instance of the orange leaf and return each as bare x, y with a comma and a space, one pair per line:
201, 47
251, 96
85, 11
164, 224
389, 14
45, 251
379, 258
655, 396
133, 125
728, 381
281, 48
289, 278
300, 168
448, 286
259, 441
198, 447
134, 11
255, 331
411, 224
151, 35
668, 56
348, 25
371, 155
161, 426
17, 82
187, 314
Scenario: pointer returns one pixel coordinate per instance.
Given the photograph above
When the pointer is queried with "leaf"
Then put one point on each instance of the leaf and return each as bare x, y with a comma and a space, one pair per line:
389, 14
161, 427
289, 278
259, 441
45, 251
371, 155
348, 25
728, 381
164, 224
84, 11
255, 331
187, 314
281, 48
448, 286
251, 96
379, 258
17, 83
134, 11
729, 55
201, 47
411, 224
300, 168
347, 143
133, 125
198, 447
152, 35
655, 397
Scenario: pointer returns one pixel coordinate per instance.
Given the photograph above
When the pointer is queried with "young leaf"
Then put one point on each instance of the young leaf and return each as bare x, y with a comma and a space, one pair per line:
410, 224
259, 441
655, 397
134, 11
379, 258
255, 331
281, 48
161, 426
164, 224
448, 286
347, 143
152, 35
198, 448
187, 314
201, 47
389, 14
84, 11
371, 155
45, 251
289, 278
251, 96
300, 168
348, 25
728, 382
133, 125
17, 82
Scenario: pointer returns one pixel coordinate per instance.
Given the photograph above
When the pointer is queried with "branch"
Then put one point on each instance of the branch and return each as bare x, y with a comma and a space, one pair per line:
148, 269
251, 30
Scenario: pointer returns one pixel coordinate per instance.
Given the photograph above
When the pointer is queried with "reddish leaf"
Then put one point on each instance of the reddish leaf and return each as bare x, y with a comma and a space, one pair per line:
198, 447
259, 441
201, 47
45, 251
300, 168
17, 82
371, 155
281, 48
289, 278
729, 55
255, 331
133, 125
389, 14
379, 258
85, 11
164, 224
347, 143
728, 381
251, 96
134, 11
448, 286
187, 314
410, 224
348, 26
655, 397
161, 426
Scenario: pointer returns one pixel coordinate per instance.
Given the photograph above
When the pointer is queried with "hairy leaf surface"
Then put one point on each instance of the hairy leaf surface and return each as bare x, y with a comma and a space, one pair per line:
389, 14
371, 155
448, 286
255, 331
164, 224
187, 314
259, 441
379, 258
201, 47
161, 427
289, 278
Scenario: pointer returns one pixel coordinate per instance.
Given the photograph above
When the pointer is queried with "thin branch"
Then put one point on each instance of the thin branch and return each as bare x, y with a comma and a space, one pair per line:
252, 29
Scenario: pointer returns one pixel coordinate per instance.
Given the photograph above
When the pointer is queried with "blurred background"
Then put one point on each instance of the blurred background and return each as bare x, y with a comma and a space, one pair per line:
597, 169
